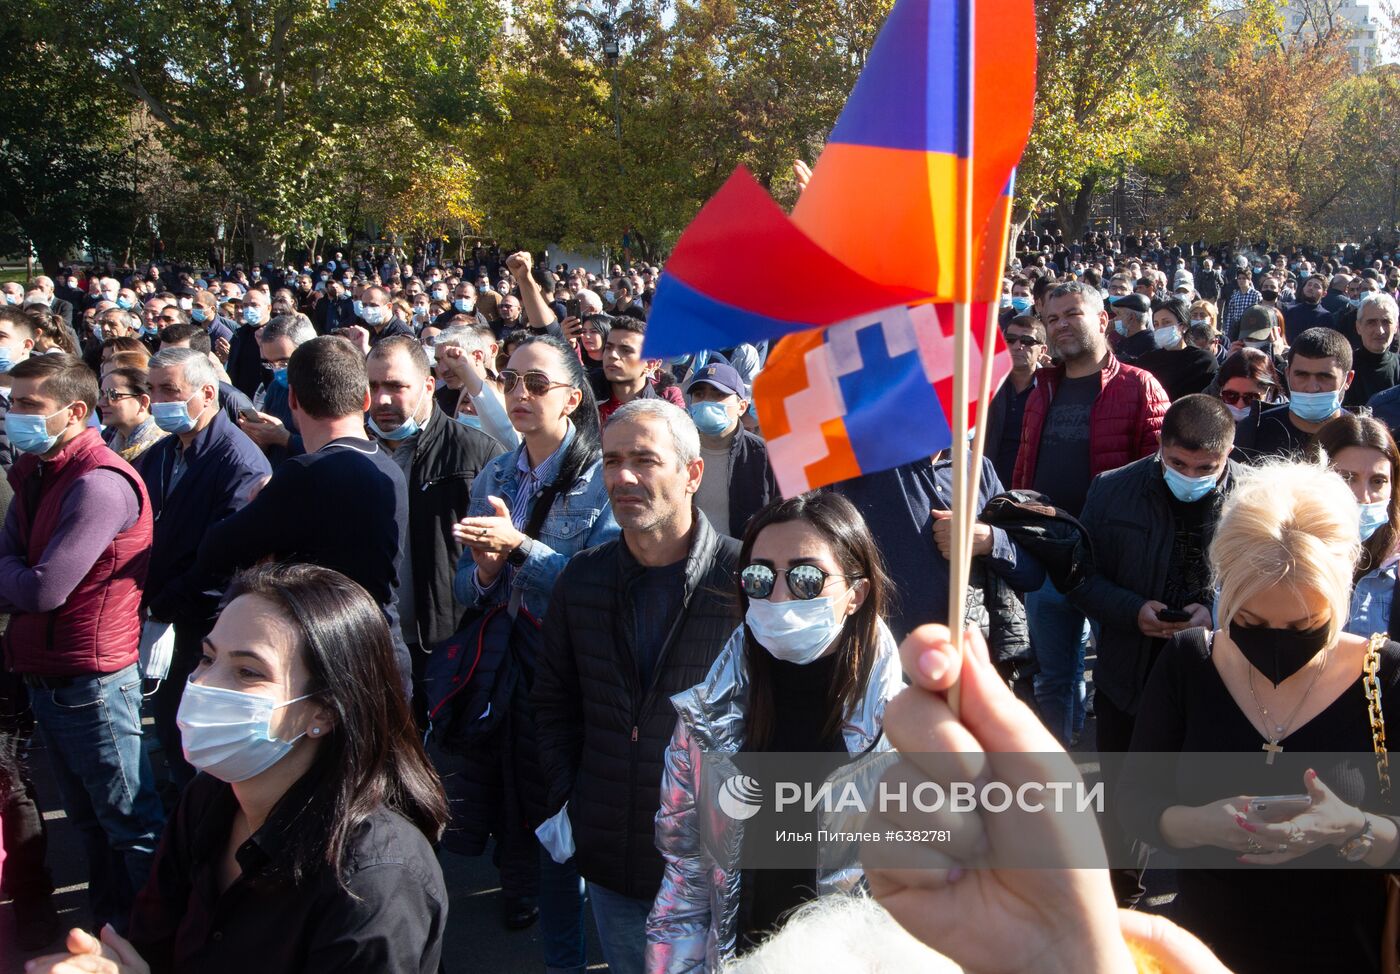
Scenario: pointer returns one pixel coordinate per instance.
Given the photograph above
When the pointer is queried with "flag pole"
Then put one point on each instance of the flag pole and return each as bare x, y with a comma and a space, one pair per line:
960, 562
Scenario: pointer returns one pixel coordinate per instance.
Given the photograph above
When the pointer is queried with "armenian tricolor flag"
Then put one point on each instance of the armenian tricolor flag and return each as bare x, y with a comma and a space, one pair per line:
904, 220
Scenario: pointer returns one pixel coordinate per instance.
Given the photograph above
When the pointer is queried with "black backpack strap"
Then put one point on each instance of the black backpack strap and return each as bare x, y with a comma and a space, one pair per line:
540, 510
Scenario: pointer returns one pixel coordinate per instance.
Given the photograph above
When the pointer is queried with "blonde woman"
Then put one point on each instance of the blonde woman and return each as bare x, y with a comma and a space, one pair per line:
1280, 683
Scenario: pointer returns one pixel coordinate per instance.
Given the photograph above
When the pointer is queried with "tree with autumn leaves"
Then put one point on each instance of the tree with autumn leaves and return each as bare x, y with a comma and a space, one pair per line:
1275, 138
252, 125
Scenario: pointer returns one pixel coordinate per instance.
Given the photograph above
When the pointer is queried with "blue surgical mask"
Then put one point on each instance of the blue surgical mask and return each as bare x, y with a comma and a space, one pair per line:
251, 315
408, 428
126, 304
1372, 517
173, 417
29, 432
97, 332
1022, 304
1314, 407
1118, 326
7, 361
463, 305
1186, 489
471, 420
374, 315
711, 418
1168, 337
279, 376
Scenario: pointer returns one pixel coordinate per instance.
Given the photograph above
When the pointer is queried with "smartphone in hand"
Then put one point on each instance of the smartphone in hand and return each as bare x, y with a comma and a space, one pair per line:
1173, 615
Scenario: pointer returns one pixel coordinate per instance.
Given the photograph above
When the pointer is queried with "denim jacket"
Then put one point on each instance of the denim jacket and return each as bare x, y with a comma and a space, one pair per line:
1371, 598
579, 518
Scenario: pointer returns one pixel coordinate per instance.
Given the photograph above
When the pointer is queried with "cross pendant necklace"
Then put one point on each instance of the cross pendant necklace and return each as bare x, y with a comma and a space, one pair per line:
1271, 744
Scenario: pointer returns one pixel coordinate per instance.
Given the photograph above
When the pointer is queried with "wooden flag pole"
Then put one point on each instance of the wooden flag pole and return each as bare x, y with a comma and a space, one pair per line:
960, 560
979, 443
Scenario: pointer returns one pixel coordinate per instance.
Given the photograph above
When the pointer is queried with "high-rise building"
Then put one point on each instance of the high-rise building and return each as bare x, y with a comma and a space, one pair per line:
1355, 19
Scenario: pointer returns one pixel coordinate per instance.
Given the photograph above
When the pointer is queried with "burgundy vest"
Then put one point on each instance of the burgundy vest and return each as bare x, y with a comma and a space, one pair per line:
98, 628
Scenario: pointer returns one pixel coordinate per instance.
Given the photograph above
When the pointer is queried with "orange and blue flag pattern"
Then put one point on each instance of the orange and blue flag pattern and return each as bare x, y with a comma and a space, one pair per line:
905, 218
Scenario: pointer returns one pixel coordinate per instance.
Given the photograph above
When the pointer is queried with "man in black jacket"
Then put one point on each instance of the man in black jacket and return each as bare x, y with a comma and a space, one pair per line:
631, 623
738, 481
200, 474
1151, 524
439, 458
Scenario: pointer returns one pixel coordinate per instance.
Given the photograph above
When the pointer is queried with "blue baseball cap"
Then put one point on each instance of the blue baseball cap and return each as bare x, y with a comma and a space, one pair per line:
722, 376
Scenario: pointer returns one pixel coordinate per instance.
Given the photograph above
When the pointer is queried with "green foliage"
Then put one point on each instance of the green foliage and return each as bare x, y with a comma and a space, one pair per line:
286, 108
758, 82
1101, 94
65, 159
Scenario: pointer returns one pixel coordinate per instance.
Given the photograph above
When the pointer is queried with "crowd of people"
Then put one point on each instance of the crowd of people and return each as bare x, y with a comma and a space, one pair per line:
405, 557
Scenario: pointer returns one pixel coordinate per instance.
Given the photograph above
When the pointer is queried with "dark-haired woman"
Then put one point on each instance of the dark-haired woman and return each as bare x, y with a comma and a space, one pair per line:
810, 669
550, 403
1362, 452
306, 842
1247, 384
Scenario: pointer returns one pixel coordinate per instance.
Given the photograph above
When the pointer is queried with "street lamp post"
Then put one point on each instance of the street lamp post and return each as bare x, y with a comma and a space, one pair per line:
606, 23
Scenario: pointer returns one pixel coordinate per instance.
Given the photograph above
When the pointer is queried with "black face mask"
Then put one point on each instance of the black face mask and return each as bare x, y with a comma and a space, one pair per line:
1278, 653
1269, 295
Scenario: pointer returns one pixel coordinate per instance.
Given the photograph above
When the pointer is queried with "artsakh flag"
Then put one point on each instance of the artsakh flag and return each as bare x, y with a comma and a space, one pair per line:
865, 274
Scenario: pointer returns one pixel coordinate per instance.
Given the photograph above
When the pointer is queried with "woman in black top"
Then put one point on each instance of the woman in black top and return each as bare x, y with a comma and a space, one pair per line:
1280, 684
306, 843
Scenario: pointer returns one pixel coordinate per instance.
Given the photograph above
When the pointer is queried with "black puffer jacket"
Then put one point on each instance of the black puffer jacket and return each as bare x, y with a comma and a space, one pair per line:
446, 459
1129, 517
602, 736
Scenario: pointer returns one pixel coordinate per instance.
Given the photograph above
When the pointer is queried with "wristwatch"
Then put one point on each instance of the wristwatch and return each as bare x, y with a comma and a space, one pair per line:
519, 553
1358, 847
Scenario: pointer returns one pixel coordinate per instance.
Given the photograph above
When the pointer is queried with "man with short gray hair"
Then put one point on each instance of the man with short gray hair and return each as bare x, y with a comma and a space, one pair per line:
201, 473
269, 422
631, 622
1375, 363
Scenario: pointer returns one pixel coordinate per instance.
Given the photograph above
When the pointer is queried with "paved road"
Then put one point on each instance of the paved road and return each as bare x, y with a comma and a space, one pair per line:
476, 941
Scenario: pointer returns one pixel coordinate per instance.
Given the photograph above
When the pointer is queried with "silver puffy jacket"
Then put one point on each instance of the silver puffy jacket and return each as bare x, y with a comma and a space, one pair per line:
692, 923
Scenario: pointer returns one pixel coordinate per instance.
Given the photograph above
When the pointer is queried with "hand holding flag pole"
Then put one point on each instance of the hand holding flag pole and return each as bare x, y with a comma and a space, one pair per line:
877, 292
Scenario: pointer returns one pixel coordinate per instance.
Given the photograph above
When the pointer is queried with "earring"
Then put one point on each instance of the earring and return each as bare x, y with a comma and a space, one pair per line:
315, 732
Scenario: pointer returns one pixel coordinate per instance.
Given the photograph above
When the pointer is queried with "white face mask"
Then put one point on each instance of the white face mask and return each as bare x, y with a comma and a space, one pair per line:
226, 733
798, 630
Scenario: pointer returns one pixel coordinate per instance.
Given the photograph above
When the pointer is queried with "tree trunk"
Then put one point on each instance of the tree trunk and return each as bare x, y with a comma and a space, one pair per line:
266, 246
49, 259
1072, 210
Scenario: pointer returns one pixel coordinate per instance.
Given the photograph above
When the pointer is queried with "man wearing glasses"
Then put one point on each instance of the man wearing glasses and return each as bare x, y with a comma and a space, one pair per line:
1025, 340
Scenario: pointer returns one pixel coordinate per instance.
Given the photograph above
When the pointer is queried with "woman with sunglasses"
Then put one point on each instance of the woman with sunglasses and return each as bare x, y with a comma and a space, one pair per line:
810, 669
559, 465
1360, 449
1247, 384
124, 404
